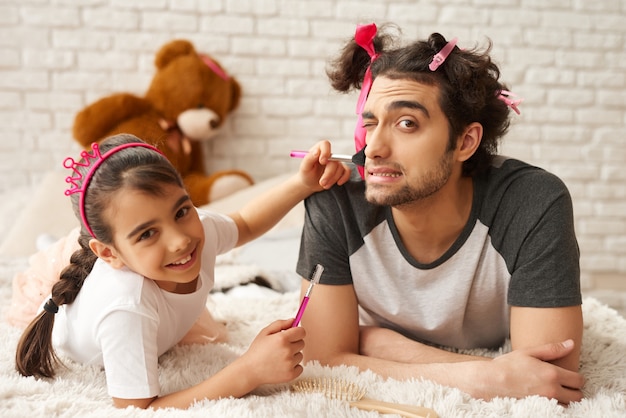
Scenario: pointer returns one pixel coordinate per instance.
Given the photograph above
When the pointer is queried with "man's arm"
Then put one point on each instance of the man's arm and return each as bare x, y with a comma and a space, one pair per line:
535, 326
530, 327
332, 325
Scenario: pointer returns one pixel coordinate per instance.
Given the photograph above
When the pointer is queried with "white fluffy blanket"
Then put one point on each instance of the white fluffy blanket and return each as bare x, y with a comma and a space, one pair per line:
80, 390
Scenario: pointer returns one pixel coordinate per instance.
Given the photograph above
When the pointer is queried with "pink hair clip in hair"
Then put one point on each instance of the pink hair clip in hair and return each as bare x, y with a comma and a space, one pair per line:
92, 162
506, 96
441, 56
364, 37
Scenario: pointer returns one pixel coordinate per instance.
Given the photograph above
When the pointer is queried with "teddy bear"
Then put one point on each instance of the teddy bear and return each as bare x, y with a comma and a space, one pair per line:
187, 101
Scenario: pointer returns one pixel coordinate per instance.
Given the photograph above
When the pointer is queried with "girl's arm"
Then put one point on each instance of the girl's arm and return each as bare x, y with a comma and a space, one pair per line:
316, 173
273, 357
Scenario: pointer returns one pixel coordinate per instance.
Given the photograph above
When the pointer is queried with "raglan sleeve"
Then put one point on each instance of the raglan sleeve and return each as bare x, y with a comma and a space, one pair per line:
324, 238
546, 272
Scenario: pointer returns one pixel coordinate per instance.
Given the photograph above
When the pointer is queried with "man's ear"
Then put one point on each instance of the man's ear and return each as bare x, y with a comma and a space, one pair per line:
469, 141
106, 253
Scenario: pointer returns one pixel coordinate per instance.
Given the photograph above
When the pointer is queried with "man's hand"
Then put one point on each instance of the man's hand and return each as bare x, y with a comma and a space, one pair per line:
520, 373
527, 372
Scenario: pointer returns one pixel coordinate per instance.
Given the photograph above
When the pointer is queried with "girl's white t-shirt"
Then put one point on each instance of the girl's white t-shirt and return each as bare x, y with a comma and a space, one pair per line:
124, 322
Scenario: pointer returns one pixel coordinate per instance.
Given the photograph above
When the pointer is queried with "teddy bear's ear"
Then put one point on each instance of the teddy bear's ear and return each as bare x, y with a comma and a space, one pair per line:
173, 50
235, 91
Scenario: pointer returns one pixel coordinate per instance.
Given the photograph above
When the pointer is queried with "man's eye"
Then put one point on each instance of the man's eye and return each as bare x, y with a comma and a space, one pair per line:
406, 123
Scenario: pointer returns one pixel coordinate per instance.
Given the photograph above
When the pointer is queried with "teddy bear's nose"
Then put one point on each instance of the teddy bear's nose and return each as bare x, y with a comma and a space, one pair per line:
199, 124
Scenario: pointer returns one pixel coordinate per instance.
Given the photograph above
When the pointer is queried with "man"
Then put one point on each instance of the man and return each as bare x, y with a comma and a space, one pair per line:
443, 243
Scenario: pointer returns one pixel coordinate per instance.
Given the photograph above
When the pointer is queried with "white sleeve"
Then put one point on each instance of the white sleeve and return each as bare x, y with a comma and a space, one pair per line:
129, 353
220, 231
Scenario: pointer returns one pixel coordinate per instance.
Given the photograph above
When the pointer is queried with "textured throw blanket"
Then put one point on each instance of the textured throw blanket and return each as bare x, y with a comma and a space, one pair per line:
80, 391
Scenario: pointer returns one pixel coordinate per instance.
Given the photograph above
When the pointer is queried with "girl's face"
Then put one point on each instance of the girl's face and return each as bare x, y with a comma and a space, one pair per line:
160, 237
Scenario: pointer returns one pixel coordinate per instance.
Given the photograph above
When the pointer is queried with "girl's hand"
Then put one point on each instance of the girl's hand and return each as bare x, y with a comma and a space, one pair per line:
265, 210
318, 173
275, 354
273, 357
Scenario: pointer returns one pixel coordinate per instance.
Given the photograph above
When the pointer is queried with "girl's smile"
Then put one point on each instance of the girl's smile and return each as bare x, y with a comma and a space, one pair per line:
184, 262
159, 235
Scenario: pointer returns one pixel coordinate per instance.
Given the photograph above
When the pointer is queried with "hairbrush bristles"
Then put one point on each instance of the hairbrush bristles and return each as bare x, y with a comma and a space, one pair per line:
339, 389
331, 388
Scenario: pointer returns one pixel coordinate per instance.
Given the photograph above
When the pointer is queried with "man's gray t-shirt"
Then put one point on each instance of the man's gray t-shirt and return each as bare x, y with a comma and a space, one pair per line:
518, 248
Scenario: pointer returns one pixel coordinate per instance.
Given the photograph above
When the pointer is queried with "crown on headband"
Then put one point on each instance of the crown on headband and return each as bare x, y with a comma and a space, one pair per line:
92, 162
69, 163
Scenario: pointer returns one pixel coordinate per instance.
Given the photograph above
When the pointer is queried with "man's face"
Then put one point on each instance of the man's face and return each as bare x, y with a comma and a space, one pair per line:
407, 156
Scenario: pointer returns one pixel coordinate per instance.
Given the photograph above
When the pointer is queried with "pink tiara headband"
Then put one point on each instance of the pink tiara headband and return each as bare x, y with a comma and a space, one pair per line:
92, 161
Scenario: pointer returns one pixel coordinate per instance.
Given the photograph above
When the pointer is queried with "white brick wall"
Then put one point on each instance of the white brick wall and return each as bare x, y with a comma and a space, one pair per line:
565, 57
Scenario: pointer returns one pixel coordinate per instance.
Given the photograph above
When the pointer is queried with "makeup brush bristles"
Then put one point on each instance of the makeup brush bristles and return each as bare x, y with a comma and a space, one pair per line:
331, 388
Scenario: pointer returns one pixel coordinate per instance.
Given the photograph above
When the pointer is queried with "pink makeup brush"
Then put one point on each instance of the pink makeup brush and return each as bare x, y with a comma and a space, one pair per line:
357, 159
319, 269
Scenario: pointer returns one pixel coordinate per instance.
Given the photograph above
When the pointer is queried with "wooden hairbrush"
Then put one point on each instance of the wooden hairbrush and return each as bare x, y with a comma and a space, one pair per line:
347, 391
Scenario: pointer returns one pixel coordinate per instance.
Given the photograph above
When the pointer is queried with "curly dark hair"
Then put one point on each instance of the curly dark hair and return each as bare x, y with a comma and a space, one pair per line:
467, 81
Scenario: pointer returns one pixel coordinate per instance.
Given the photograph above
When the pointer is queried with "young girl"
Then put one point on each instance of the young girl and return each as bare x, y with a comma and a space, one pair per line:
144, 270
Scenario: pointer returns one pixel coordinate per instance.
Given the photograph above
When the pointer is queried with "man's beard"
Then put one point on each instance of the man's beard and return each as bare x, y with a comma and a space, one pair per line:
431, 183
